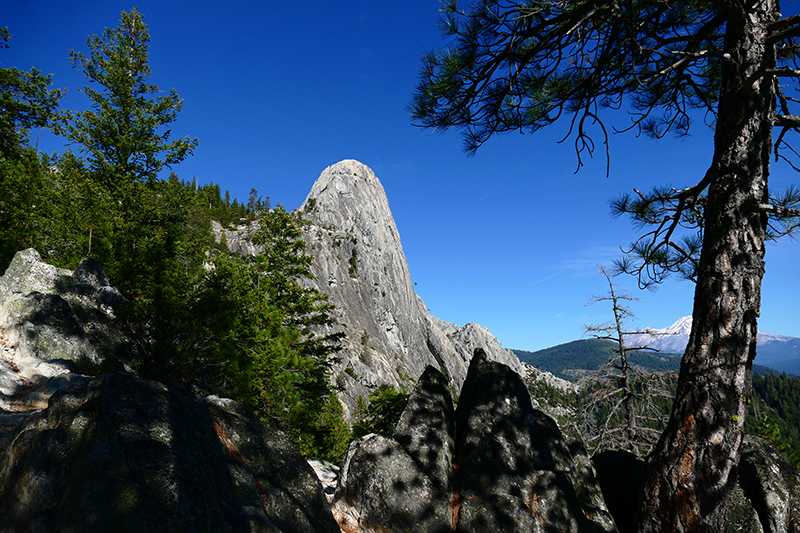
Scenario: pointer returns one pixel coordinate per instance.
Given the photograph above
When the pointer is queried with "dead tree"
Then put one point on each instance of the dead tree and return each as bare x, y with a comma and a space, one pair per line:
623, 405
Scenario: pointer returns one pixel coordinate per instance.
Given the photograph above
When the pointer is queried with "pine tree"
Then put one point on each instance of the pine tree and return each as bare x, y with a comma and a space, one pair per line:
524, 65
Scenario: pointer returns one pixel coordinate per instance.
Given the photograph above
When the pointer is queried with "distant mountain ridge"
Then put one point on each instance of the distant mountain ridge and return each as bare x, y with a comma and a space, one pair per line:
774, 351
576, 359
573, 360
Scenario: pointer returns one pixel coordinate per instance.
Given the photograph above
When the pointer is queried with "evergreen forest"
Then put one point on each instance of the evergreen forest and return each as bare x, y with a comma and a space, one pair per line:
203, 319
774, 409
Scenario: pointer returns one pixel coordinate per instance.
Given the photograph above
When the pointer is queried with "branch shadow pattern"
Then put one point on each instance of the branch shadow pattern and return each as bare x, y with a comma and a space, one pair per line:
124, 454
493, 464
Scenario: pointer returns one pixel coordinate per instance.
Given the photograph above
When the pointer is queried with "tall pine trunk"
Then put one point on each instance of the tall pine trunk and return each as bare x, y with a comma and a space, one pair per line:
693, 467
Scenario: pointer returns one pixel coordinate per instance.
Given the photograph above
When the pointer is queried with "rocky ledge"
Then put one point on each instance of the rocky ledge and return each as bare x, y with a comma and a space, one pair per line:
492, 464
495, 464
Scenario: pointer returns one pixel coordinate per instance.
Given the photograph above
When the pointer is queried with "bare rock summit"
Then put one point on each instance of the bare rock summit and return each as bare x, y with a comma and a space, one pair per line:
359, 261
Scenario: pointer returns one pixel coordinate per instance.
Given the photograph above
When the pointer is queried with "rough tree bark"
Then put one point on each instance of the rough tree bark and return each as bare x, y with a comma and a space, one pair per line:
693, 467
524, 65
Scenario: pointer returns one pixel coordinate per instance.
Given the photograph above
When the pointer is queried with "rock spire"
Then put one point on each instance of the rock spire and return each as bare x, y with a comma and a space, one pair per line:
359, 261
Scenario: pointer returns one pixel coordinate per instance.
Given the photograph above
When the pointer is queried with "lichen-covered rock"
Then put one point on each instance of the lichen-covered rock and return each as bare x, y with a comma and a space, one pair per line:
772, 483
58, 320
426, 429
27, 273
495, 513
587, 487
388, 489
504, 446
287, 485
119, 453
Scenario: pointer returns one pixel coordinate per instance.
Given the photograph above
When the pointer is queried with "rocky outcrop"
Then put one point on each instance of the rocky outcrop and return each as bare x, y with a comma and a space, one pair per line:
389, 334
766, 498
493, 464
359, 261
115, 452
238, 238
58, 320
772, 483
119, 453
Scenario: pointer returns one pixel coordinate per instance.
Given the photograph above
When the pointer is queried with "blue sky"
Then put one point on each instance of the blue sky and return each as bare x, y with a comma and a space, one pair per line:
277, 91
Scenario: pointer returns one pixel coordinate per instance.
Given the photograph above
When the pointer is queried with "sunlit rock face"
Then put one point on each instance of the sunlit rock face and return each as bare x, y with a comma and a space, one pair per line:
59, 320
359, 261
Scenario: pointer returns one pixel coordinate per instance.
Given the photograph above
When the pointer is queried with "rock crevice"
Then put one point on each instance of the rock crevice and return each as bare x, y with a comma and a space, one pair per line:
493, 464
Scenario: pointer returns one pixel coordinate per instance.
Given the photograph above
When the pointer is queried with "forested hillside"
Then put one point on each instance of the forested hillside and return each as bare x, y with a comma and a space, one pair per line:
577, 358
774, 409
205, 320
775, 412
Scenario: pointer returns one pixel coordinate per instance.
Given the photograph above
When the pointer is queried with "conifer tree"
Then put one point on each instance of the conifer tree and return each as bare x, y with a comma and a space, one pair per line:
523, 65
123, 135
249, 324
26, 102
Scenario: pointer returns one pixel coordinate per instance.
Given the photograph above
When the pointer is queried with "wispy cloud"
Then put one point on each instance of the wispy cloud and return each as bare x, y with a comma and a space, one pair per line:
526, 287
585, 261
523, 163
542, 280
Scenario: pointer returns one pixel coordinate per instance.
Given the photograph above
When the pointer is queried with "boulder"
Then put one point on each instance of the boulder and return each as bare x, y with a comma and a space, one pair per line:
382, 488
505, 446
116, 452
772, 483
58, 320
426, 428
120, 453
766, 497
495, 464
619, 474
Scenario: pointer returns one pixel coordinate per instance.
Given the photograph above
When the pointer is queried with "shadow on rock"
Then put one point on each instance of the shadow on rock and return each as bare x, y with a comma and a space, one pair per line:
495, 464
119, 453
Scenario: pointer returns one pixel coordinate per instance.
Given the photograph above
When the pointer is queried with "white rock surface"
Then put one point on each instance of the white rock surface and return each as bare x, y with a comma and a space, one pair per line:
359, 262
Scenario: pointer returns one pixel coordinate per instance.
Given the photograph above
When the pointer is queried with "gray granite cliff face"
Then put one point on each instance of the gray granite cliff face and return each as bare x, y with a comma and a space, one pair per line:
359, 261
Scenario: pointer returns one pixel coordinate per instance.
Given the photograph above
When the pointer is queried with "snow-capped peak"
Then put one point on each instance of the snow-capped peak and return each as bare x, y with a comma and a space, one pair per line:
682, 326
771, 348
